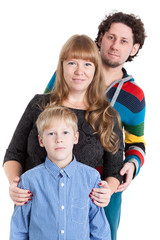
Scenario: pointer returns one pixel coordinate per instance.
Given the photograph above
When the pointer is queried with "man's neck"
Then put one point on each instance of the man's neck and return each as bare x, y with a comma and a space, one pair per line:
112, 74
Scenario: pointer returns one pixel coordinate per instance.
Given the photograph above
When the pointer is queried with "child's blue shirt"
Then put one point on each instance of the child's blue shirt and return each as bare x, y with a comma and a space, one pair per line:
61, 207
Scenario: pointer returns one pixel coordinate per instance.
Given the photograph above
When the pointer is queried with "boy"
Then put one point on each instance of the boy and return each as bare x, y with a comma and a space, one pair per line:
60, 207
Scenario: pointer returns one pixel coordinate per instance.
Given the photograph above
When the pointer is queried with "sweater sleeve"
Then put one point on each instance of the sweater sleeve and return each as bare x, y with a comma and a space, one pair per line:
134, 137
17, 149
113, 163
51, 83
130, 104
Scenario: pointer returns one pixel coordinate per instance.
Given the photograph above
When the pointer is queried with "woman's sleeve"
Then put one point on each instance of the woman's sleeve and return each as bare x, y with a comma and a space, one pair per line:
17, 149
113, 163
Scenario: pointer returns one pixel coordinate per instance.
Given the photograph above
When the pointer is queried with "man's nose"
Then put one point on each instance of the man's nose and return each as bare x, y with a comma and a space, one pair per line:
115, 45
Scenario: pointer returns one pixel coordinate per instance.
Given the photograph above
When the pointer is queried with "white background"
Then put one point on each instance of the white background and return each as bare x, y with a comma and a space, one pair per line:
31, 36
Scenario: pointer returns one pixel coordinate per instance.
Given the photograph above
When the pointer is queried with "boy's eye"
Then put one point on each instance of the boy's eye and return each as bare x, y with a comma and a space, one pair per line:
65, 132
51, 133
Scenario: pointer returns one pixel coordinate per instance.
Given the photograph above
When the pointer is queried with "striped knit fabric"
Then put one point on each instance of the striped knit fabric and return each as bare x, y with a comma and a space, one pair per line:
130, 103
50, 84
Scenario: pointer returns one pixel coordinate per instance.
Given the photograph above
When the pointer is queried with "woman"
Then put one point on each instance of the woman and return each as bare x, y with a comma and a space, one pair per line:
79, 86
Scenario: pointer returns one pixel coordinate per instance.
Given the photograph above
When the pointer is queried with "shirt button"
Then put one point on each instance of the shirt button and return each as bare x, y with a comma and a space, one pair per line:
61, 171
62, 231
62, 207
62, 184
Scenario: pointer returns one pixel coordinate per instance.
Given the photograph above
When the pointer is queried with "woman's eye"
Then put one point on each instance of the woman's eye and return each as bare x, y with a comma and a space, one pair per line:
88, 64
71, 63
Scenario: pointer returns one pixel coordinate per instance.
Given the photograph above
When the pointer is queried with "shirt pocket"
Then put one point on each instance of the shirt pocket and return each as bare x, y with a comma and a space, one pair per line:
79, 210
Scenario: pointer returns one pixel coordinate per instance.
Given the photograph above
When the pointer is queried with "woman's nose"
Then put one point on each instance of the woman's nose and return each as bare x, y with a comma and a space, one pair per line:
79, 70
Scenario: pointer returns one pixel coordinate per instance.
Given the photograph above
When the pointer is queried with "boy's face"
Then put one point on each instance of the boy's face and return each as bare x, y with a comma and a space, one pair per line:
58, 140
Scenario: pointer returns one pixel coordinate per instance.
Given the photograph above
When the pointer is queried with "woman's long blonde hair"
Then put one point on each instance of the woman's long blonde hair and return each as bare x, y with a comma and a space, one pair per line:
100, 114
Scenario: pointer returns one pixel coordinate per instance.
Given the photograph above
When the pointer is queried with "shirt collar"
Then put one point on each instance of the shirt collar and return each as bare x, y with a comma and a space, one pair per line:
69, 170
124, 73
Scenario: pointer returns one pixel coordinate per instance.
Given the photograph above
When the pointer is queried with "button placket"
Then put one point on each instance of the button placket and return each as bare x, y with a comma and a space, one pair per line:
62, 205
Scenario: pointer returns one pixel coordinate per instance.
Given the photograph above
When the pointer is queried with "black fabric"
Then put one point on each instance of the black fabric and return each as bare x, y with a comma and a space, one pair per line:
24, 146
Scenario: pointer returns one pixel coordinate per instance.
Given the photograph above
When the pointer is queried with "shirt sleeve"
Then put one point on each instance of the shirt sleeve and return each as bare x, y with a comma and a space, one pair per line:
113, 163
134, 137
51, 83
17, 149
99, 226
19, 229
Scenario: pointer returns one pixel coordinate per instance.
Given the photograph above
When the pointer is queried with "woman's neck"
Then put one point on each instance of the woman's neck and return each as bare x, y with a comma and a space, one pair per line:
76, 101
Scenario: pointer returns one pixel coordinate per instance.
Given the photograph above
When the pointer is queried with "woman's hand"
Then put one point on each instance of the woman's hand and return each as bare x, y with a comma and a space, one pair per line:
18, 195
101, 196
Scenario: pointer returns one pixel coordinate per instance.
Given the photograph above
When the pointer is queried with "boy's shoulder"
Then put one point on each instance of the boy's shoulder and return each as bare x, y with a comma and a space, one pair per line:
85, 167
32, 173
88, 172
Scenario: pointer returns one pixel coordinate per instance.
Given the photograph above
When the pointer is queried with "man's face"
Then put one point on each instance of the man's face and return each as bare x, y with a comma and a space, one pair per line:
116, 45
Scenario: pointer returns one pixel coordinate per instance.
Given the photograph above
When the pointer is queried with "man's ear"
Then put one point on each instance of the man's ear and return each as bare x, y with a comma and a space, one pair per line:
76, 137
100, 39
135, 49
40, 141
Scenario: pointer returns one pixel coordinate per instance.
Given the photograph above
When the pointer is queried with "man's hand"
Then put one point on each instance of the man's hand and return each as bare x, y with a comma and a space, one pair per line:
127, 170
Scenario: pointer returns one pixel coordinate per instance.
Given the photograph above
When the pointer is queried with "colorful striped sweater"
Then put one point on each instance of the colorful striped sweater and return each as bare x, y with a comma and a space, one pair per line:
128, 99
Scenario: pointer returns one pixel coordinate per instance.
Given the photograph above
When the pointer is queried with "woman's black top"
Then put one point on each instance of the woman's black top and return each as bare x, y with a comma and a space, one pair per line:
24, 146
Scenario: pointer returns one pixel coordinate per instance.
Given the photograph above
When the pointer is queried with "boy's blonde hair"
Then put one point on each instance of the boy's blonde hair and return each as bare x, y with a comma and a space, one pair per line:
56, 113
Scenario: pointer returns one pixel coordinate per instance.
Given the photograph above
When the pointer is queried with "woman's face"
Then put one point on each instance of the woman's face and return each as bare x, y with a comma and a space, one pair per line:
78, 74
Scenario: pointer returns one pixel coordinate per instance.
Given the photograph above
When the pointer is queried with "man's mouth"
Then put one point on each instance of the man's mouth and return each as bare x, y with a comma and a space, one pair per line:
113, 54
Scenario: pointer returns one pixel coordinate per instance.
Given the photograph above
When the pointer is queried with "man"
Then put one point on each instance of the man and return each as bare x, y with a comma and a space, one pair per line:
119, 39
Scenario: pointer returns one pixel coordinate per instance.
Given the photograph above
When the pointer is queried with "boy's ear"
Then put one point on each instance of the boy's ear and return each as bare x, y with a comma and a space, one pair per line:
40, 141
76, 137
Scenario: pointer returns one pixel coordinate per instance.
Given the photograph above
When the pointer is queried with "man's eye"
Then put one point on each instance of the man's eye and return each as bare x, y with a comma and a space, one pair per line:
111, 37
124, 41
